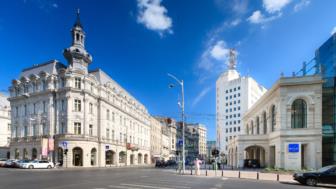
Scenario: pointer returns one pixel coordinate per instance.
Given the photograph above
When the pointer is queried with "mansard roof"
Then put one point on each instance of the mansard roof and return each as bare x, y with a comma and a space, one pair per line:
51, 67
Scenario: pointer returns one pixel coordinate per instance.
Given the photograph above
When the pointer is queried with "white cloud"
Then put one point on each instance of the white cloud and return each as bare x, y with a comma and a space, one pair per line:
235, 22
55, 5
258, 18
272, 6
200, 96
301, 5
154, 16
219, 51
333, 31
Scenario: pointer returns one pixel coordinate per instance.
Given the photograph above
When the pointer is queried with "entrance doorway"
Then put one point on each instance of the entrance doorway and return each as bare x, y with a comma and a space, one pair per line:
77, 156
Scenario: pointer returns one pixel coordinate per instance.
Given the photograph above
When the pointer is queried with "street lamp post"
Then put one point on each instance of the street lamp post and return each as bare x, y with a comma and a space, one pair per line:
182, 112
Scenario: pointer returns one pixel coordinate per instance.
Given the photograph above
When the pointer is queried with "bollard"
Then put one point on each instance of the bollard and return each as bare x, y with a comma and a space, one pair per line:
278, 177
238, 174
222, 173
257, 175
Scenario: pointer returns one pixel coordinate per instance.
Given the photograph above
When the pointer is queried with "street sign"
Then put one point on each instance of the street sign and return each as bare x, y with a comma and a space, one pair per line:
180, 142
64, 144
293, 148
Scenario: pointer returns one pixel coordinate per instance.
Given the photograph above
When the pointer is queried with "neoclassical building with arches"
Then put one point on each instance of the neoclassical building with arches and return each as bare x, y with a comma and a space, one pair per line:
77, 117
283, 129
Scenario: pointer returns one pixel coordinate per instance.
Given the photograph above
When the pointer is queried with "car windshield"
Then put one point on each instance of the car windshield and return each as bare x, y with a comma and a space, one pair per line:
323, 169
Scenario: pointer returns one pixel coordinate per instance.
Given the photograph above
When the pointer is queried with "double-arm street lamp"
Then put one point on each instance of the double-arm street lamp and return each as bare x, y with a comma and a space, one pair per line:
182, 108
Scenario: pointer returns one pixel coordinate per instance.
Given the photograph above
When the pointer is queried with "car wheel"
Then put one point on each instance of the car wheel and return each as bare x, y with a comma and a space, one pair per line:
31, 167
49, 167
311, 182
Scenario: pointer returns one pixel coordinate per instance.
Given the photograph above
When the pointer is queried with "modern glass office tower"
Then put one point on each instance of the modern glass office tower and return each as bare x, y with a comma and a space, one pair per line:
325, 56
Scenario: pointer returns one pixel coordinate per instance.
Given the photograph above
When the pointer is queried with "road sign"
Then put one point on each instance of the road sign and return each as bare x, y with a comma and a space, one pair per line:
64, 144
293, 148
180, 142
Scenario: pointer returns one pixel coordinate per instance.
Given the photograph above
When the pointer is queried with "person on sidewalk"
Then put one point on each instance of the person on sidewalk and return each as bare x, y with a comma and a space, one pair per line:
197, 167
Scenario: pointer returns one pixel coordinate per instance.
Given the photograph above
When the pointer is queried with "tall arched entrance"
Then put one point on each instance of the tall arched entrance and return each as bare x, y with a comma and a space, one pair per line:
139, 158
253, 153
34, 154
77, 157
146, 159
109, 157
132, 159
93, 160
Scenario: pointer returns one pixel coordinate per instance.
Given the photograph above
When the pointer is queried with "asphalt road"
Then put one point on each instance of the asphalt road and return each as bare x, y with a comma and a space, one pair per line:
125, 178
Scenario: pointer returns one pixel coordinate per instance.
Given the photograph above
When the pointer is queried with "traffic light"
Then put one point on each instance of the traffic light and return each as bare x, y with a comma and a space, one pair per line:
65, 151
215, 152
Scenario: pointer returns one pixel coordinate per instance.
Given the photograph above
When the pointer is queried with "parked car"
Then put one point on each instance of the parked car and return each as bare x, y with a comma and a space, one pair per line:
171, 163
2, 162
38, 164
161, 163
326, 175
10, 163
19, 164
251, 163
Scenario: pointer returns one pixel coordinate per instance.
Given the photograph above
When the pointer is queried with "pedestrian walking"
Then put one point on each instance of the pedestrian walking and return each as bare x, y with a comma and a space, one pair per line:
197, 163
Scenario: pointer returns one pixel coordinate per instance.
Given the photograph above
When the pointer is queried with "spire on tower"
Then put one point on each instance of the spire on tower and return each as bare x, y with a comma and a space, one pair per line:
232, 59
78, 23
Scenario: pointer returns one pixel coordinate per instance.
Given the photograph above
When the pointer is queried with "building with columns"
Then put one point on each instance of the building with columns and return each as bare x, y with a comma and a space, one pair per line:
68, 114
283, 129
5, 126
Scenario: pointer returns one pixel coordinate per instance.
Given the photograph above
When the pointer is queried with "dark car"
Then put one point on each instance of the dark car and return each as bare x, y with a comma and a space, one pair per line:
171, 163
251, 163
326, 175
161, 163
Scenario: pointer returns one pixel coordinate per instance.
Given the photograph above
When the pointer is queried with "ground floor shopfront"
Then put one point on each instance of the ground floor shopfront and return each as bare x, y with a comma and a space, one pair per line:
81, 153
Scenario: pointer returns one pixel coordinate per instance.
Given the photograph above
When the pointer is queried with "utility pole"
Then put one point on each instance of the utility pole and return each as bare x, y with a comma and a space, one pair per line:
183, 118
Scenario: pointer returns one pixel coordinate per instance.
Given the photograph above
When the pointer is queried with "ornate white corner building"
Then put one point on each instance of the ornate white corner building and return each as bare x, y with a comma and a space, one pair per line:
68, 114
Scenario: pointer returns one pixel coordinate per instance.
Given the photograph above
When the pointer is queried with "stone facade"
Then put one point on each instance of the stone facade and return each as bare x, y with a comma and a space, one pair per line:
169, 137
156, 139
5, 126
283, 129
77, 117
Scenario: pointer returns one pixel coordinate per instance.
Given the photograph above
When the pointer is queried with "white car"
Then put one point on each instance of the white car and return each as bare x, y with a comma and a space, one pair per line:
38, 164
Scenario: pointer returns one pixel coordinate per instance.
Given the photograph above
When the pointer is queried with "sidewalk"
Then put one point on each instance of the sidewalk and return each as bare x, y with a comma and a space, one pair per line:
244, 175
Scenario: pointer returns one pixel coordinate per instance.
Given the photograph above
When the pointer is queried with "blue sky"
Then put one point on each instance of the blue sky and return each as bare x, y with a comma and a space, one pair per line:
139, 42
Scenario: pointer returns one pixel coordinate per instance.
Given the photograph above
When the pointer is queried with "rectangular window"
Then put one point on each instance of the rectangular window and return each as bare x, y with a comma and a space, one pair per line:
112, 134
17, 111
108, 133
78, 83
62, 128
91, 130
44, 85
108, 114
35, 133
34, 108
77, 128
25, 131
78, 105
62, 82
63, 105
44, 107
113, 116
44, 129
25, 110
90, 108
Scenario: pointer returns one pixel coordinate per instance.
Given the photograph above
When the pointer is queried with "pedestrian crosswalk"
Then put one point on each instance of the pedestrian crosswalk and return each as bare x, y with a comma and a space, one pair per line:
157, 184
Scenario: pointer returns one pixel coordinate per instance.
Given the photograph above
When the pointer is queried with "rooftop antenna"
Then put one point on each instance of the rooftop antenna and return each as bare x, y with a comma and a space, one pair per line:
232, 59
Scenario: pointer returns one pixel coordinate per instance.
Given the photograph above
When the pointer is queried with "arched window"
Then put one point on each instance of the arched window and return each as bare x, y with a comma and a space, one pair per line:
299, 114
252, 128
34, 154
273, 115
93, 156
258, 129
77, 36
265, 122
